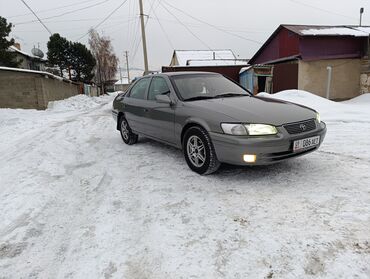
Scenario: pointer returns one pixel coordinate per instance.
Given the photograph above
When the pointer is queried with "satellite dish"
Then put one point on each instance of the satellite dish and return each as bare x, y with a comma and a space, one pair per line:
37, 52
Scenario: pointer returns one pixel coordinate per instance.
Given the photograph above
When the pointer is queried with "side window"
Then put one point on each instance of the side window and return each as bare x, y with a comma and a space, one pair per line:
139, 89
158, 86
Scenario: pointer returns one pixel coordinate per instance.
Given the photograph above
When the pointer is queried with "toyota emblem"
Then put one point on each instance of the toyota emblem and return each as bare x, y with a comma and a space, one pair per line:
303, 127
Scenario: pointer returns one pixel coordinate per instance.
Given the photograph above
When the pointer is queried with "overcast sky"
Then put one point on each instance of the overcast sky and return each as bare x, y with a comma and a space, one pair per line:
169, 28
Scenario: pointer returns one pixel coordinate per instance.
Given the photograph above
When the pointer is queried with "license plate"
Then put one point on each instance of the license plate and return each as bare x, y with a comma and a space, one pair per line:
305, 143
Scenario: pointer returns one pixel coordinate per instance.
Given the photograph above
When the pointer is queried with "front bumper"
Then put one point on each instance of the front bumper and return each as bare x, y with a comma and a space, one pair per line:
268, 149
114, 114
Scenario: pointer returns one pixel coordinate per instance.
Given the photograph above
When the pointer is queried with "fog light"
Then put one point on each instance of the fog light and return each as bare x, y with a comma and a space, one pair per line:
249, 158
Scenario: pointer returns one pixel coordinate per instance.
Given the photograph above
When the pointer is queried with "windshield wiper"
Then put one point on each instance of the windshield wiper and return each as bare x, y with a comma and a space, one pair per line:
230, 94
199, 98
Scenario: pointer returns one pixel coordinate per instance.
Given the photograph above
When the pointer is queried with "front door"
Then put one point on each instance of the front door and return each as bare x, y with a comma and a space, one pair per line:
160, 117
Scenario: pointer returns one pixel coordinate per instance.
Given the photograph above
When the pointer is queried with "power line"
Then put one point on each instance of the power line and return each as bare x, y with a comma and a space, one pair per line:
135, 29
186, 27
164, 32
321, 9
136, 36
214, 26
37, 17
66, 13
53, 9
139, 41
104, 20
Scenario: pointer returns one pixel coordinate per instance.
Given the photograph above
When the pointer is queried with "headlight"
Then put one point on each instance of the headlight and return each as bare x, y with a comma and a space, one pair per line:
260, 129
318, 117
248, 129
234, 129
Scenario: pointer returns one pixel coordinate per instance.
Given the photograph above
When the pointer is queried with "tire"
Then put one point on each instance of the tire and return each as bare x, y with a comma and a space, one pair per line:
201, 160
127, 135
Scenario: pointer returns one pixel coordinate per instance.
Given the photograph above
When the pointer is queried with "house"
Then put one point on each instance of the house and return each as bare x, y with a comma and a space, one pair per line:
320, 59
29, 61
122, 84
221, 61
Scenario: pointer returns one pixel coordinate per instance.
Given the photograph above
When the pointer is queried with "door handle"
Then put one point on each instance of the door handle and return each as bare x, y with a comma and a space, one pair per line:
146, 110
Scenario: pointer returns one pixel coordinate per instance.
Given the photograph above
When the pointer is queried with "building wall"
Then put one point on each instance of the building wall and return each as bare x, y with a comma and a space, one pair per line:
121, 87
365, 76
32, 91
285, 76
30, 64
284, 44
316, 47
345, 84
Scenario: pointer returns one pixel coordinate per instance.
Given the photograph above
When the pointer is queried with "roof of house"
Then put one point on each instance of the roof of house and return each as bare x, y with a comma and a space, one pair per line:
14, 49
318, 30
218, 62
204, 57
327, 30
124, 80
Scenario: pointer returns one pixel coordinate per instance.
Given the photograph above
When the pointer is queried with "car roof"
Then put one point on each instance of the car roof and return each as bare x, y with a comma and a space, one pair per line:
182, 73
189, 73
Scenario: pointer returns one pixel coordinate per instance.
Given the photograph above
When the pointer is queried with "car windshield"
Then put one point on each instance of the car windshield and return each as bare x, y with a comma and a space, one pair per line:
204, 86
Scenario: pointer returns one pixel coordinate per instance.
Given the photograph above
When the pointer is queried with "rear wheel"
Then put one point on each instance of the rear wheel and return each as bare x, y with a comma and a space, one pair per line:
126, 133
199, 152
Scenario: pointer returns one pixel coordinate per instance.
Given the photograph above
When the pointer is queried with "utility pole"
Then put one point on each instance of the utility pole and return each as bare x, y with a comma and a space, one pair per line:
127, 67
120, 74
361, 12
143, 38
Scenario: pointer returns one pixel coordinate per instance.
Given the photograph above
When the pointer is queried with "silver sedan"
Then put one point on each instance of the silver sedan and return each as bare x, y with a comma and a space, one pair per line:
214, 120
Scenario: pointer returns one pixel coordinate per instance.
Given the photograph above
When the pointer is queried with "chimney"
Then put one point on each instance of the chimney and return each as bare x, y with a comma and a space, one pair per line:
17, 45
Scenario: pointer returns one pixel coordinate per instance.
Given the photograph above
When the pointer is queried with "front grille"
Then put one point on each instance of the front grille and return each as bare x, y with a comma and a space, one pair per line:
287, 154
300, 127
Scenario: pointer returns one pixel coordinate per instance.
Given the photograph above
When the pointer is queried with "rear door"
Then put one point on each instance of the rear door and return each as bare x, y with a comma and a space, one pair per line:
135, 105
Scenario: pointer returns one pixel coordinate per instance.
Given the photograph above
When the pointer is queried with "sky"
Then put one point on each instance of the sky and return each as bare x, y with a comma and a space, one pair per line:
239, 25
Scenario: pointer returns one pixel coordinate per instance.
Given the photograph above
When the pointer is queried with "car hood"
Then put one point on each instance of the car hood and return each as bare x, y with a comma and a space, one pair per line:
256, 109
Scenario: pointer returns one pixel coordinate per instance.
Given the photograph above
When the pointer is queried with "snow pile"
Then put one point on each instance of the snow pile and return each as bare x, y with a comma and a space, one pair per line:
79, 103
363, 99
329, 110
303, 98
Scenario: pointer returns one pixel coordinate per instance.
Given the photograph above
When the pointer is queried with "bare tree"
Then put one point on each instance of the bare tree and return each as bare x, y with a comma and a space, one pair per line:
106, 60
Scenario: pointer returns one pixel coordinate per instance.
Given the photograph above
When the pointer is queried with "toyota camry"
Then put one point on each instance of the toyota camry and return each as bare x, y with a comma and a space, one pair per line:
214, 120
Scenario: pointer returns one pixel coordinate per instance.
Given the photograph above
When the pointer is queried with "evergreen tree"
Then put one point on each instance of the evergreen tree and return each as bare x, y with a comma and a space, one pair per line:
7, 58
81, 61
58, 52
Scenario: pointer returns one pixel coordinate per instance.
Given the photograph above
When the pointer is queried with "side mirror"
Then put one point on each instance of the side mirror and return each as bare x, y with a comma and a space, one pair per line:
164, 99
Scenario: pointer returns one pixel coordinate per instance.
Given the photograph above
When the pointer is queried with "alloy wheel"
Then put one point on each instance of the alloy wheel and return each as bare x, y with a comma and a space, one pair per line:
196, 151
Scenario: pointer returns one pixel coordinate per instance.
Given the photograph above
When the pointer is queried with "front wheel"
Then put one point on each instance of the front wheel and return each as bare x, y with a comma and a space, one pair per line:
199, 152
126, 133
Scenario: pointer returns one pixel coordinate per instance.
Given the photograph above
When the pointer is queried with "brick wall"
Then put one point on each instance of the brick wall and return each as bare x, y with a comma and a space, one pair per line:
32, 90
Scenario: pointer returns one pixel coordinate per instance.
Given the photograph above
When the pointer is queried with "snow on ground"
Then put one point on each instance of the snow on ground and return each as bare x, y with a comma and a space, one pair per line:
78, 203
